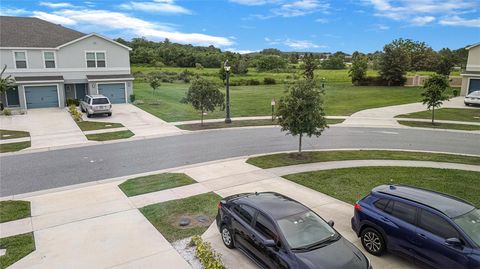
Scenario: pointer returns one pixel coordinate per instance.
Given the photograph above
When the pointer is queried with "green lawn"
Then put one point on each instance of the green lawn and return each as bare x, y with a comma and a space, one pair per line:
456, 114
238, 123
340, 99
351, 184
110, 136
438, 125
9, 147
11, 134
164, 216
285, 159
141, 185
17, 247
96, 125
13, 210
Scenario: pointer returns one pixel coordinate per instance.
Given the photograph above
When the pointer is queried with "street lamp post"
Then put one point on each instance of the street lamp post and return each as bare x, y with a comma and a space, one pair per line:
273, 109
226, 65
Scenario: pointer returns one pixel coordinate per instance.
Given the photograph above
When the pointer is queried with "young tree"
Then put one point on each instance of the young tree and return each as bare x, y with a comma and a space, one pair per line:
434, 92
309, 66
358, 71
6, 83
154, 83
204, 96
301, 111
394, 64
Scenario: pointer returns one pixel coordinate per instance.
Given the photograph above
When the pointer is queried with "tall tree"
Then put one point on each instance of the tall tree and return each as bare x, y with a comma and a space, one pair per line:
301, 111
445, 61
6, 83
204, 96
434, 92
394, 64
309, 65
358, 71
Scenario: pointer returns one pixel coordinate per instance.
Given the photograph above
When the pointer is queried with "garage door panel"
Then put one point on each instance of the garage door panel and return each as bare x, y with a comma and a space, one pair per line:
41, 96
115, 92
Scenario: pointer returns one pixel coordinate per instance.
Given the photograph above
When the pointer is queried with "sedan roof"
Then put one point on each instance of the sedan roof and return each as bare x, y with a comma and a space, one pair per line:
274, 204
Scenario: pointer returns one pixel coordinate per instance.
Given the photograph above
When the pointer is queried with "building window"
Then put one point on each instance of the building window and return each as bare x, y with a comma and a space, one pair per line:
49, 57
20, 59
95, 59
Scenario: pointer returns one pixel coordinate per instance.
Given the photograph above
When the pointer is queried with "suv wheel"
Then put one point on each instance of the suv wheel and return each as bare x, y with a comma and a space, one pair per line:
373, 241
89, 115
227, 237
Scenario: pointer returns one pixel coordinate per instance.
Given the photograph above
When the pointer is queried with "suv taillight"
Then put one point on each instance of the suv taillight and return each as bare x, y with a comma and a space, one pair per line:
219, 206
357, 207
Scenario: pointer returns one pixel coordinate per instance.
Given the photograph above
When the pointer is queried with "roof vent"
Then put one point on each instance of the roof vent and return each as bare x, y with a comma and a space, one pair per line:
392, 187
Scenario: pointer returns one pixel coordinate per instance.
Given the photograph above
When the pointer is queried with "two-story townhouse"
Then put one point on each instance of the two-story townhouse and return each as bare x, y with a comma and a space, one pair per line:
51, 64
471, 75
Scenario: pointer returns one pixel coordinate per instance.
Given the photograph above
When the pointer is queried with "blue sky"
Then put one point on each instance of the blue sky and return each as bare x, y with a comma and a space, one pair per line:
251, 25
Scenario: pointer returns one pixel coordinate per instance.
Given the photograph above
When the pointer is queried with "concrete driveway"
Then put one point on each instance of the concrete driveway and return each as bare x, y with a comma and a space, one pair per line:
48, 127
141, 123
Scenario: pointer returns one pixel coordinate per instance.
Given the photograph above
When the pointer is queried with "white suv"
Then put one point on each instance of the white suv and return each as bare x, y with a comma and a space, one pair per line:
96, 104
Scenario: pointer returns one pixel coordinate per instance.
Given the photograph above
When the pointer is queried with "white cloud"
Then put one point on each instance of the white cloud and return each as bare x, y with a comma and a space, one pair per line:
254, 2
422, 20
156, 6
12, 11
458, 21
421, 12
301, 8
301, 44
95, 19
322, 20
56, 5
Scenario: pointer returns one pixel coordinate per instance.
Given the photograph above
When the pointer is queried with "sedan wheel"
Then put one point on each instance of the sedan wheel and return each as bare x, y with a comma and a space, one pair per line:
227, 237
373, 242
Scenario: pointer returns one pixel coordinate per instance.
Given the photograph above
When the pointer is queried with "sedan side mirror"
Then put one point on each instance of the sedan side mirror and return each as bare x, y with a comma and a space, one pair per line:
331, 223
454, 242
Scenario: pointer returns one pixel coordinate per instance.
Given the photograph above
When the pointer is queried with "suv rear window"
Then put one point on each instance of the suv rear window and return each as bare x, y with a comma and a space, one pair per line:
381, 204
244, 212
404, 212
100, 101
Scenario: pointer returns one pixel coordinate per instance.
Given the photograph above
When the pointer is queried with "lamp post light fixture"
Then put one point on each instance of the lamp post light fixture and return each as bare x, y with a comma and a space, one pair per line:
273, 109
226, 65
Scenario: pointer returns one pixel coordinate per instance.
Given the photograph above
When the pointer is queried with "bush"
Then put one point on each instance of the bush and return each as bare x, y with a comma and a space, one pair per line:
132, 98
76, 115
7, 112
74, 102
198, 66
158, 64
269, 81
204, 252
455, 92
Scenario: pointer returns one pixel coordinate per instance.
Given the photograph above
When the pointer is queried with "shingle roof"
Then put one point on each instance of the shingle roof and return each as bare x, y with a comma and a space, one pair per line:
34, 33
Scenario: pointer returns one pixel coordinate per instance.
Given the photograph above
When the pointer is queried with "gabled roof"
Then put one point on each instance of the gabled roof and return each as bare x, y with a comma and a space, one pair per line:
472, 46
97, 35
27, 32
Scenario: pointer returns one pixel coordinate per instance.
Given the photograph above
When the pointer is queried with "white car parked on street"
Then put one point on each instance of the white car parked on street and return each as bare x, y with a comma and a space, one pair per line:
472, 99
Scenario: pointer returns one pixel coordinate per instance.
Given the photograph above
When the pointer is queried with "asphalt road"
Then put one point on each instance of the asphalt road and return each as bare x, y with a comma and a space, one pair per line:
44, 170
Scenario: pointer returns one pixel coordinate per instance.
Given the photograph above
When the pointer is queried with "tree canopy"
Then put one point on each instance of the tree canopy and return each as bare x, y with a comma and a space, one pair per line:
435, 92
204, 96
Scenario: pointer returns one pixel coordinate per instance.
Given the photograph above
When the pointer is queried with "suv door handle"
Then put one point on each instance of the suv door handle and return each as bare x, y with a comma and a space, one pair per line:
385, 219
422, 236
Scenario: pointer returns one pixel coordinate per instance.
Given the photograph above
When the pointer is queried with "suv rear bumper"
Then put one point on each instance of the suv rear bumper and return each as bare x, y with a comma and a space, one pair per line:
355, 227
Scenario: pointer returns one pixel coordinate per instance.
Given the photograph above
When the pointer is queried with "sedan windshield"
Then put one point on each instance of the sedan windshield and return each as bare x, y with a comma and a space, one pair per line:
470, 224
100, 101
305, 229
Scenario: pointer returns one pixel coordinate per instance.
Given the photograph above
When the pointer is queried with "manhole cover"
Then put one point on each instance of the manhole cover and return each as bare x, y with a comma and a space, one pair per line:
184, 221
202, 218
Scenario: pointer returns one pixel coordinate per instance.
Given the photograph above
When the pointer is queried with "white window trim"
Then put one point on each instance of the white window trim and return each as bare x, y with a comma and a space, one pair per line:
95, 52
54, 59
126, 100
15, 60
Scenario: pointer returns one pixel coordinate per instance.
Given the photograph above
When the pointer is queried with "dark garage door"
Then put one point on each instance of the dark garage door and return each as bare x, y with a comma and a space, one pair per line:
474, 85
41, 96
114, 92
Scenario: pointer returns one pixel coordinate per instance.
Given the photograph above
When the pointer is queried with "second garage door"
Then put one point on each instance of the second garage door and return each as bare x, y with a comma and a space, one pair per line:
114, 92
41, 96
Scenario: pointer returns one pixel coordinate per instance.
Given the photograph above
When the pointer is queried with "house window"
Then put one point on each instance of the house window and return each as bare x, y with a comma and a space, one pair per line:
95, 59
49, 57
20, 59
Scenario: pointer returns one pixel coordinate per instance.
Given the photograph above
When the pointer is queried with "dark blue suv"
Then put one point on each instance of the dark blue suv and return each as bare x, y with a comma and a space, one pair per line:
432, 228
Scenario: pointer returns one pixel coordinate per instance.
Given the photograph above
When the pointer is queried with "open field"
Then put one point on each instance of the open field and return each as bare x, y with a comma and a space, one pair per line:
352, 184
341, 99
